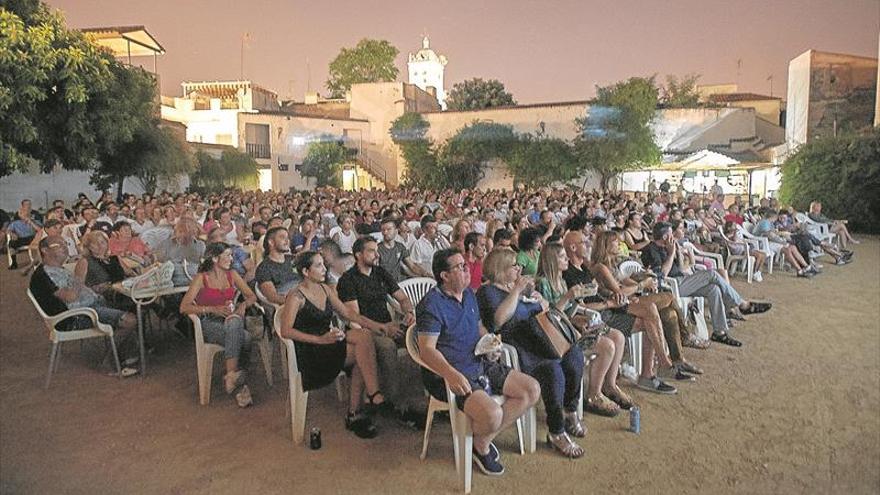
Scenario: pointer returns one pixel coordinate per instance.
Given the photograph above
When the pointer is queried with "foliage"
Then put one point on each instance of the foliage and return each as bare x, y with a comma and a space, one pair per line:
463, 157
681, 93
843, 173
234, 169
408, 127
369, 61
324, 160
154, 154
615, 136
539, 161
408, 132
474, 94
50, 79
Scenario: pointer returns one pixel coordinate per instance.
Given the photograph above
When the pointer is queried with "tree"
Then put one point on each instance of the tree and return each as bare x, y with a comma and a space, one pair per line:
616, 136
409, 133
681, 93
369, 61
324, 160
463, 157
843, 173
154, 154
539, 161
234, 169
50, 78
474, 94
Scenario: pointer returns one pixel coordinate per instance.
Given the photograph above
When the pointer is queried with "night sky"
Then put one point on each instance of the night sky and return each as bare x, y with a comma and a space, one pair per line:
541, 50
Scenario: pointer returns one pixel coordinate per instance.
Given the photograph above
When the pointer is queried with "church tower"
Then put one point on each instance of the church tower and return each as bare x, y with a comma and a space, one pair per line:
426, 69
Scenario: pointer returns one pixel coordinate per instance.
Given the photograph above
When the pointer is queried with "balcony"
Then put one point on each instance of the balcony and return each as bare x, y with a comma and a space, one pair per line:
258, 150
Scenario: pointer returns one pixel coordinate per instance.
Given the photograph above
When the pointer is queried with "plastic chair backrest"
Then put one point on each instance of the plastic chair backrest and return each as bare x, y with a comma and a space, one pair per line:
291, 347
33, 299
416, 288
629, 267
412, 347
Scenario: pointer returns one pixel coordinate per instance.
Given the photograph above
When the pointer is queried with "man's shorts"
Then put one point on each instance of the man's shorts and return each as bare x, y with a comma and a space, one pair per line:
491, 381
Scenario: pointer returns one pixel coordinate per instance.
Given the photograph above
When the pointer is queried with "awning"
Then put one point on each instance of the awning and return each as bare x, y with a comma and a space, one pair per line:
125, 41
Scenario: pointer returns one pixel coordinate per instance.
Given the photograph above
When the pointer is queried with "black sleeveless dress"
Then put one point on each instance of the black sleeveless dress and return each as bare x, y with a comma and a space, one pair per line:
318, 363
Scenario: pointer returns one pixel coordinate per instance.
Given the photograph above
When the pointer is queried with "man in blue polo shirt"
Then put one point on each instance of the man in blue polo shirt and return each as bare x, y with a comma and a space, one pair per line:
448, 323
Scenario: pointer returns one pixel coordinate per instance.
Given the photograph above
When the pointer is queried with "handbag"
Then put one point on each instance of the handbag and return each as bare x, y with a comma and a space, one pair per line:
552, 334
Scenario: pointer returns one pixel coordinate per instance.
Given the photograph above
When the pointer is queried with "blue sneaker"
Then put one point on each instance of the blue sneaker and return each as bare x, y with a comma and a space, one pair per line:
489, 464
493, 451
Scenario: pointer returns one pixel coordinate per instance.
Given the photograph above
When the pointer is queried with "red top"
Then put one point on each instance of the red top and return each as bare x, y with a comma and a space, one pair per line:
737, 219
476, 269
209, 296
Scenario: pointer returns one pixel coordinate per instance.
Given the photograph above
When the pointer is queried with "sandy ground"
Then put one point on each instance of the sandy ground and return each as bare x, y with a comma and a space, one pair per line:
796, 410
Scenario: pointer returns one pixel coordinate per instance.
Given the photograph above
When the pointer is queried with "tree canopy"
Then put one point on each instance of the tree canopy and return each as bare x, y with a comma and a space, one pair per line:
538, 160
843, 173
474, 94
324, 160
616, 136
66, 101
369, 61
680, 92
233, 169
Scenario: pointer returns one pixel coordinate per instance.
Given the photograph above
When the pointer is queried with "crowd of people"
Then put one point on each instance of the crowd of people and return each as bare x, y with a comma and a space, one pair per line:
331, 262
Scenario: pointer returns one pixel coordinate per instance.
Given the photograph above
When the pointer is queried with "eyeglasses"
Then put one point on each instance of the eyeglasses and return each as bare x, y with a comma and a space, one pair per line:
458, 267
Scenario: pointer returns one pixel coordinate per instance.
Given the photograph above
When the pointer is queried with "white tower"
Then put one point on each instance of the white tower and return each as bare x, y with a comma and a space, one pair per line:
426, 69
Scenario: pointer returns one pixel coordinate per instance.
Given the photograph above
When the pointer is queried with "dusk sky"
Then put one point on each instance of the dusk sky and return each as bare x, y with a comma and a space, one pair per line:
541, 50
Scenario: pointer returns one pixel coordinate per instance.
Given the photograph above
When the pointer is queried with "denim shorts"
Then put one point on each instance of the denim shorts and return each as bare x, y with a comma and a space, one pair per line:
491, 381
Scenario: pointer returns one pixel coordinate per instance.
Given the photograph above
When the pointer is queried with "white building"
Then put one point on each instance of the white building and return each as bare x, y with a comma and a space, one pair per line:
209, 110
426, 71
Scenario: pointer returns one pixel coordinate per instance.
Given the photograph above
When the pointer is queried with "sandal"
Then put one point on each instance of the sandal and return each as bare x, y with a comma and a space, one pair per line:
573, 426
618, 397
603, 406
725, 339
689, 368
757, 307
361, 425
695, 342
372, 407
565, 445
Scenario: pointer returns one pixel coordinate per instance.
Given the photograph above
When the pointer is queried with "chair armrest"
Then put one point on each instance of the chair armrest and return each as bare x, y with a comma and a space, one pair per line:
510, 356
91, 313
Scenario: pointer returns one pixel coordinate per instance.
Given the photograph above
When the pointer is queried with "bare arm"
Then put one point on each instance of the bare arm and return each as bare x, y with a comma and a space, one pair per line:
435, 361
249, 297
267, 288
346, 312
416, 268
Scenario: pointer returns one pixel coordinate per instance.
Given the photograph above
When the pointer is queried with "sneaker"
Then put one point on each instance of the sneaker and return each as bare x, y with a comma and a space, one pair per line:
655, 385
233, 380
841, 261
813, 269
488, 464
243, 397
689, 368
675, 373
805, 274
758, 277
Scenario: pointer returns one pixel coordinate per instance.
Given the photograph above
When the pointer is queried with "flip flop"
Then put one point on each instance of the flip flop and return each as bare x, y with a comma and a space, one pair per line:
726, 340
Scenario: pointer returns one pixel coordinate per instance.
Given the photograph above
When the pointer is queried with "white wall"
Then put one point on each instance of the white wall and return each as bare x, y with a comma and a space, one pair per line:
798, 100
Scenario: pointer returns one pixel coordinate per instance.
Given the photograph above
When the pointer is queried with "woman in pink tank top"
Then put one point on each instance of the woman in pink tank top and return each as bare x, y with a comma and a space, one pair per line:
211, 296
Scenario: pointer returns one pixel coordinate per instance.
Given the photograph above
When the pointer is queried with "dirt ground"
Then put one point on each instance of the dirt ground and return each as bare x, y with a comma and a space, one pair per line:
796, 410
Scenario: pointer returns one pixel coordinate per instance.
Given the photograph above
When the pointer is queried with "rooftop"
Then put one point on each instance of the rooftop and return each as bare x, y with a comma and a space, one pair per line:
133, 41
734, 97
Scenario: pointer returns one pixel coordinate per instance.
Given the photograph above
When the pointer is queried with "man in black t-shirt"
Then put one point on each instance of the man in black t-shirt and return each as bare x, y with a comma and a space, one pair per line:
275, 275
365, 288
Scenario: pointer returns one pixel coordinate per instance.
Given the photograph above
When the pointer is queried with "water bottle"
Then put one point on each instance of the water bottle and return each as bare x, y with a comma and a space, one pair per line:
635, 420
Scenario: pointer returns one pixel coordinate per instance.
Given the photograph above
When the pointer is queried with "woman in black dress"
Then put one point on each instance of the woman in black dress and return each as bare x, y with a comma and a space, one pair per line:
323, 350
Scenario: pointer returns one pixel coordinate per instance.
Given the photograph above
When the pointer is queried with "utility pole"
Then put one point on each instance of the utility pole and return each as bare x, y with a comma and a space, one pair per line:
770, 78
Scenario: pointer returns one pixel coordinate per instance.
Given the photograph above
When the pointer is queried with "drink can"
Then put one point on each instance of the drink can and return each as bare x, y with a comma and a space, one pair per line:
635, 420
315, 438
231, 306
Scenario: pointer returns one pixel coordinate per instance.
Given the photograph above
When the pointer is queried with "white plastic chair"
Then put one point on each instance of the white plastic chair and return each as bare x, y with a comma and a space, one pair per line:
821, 230
298, 397
462, 436
205, 353
734, 259
60, 337
11, 252
761, 244
416, 288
